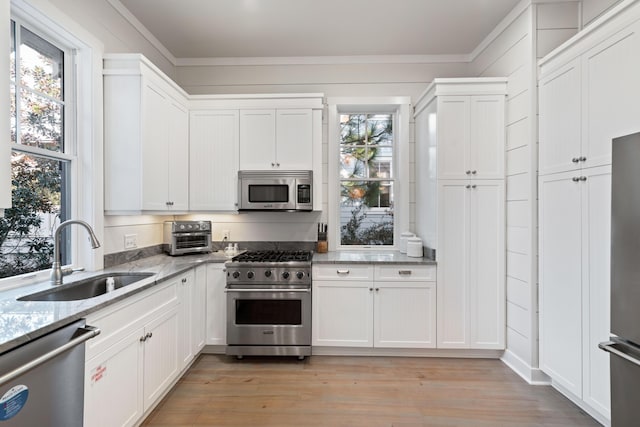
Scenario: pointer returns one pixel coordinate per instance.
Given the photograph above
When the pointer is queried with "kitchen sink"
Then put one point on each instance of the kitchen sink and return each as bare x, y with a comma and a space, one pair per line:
86, 288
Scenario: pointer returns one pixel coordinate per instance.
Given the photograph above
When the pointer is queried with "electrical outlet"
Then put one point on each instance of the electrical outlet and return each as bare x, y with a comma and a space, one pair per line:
226, 234
130, 241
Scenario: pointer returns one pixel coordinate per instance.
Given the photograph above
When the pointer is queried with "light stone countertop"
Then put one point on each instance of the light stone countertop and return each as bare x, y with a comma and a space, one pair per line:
24, 321
368, 257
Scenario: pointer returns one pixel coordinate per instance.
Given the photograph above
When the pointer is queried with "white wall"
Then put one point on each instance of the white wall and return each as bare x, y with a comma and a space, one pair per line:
536, 31
591, 9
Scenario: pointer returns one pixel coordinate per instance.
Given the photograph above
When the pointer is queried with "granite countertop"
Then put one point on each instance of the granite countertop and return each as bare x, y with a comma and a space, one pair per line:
368, 257
23, 321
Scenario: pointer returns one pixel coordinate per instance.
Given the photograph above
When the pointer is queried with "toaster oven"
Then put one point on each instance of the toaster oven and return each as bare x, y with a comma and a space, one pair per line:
186, 237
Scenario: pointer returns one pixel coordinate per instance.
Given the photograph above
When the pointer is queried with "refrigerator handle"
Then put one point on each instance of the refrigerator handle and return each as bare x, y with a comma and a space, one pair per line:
608, 346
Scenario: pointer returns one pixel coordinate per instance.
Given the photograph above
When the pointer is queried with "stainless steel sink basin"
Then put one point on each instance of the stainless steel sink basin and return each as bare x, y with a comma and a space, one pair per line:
86, 288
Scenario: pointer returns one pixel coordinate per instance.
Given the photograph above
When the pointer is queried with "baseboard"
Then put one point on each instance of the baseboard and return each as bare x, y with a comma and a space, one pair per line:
405, 352
582, 405
528, 373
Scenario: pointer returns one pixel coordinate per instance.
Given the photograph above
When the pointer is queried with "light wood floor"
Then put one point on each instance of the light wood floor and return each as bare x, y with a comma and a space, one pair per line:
360, 391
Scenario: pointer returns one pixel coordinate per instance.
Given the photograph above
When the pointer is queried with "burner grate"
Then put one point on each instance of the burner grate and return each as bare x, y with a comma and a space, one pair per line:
273, 256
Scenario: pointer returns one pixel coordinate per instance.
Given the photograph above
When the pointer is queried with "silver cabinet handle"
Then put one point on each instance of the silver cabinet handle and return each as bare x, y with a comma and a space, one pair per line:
583, 159
575, 159
575, 179
278, 164
473, 186
377, 289
467, 186
342, 271
143, 338
370, 289
474, 172
273, 165
608, 346
404, 272
88, 333
267, 290
468, 172
184, 280
583, 178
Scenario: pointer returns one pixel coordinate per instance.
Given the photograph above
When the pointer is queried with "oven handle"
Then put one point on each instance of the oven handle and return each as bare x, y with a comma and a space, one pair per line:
267, 290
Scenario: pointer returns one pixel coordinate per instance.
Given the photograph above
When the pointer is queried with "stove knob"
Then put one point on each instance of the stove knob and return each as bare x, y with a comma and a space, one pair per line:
236, 274
250, 274
299, 274
267, 273
285, 275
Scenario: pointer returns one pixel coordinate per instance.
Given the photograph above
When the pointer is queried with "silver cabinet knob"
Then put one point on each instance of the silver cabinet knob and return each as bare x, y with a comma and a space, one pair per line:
273, 165
583, 159
467, 186
474, 172
468, 172
575, 159
473, 186
575, 179
583, 178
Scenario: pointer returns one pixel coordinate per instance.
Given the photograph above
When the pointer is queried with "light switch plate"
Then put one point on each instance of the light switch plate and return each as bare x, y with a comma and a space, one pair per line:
130, 241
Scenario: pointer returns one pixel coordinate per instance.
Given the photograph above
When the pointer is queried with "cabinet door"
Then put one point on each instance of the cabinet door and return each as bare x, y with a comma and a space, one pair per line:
342, 313
178, 157
613, 90
113, 384
213, 160
486, 151
487, 265
160, 355
186, 291
560, 120
294, 139
453, 264
155, 146
596, 250
405, 314
257, 139
453, 137
560, 279
198, 307
216, 305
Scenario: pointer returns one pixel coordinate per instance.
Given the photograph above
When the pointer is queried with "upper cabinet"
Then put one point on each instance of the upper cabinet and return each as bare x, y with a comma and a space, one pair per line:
276, 139
146, 139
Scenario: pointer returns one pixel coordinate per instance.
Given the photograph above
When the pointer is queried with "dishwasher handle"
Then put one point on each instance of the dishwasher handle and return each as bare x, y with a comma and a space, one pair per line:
608, 346
88, 332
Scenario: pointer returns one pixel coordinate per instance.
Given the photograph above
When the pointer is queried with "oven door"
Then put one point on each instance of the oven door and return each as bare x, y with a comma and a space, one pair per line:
268, 317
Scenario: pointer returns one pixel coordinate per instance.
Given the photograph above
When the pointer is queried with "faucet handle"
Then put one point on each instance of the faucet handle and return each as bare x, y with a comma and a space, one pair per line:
68, 270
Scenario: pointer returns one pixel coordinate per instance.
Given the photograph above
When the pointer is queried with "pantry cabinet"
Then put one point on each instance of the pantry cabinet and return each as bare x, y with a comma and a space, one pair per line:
146, 139
588, 91
460, 147
214, 144
356, 305
279, 139
134, 360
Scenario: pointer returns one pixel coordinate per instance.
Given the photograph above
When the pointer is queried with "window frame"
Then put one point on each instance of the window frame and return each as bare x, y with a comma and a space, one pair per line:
82, 132
400, 107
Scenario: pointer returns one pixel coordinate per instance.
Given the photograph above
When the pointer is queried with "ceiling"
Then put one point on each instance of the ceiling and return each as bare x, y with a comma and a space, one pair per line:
316, 28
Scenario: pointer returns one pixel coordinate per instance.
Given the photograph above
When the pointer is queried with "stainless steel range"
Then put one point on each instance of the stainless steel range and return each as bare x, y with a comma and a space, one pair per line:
269, 304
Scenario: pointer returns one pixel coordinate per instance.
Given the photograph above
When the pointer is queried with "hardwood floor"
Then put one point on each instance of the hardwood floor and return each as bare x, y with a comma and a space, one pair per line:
360, 391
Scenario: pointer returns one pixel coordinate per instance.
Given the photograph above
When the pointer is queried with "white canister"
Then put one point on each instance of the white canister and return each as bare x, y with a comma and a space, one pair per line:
414, 247
403, 241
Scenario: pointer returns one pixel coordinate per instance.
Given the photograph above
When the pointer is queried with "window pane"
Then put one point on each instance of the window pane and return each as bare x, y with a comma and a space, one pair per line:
12, 113
353, 161
41, 65
366, 213
40, 121
353, 129
39, 201
12, 55
380, 129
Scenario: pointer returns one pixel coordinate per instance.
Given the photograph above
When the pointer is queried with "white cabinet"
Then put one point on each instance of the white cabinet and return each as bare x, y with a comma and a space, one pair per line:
216, 317
383, 307
460, 143
587, 98
575, 223
191, 287
470, 136
146, 137
471, 270
134, 360
213, 160
276, 139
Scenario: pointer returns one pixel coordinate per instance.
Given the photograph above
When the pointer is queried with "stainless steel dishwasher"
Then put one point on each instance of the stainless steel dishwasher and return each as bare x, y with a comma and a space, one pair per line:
42, 381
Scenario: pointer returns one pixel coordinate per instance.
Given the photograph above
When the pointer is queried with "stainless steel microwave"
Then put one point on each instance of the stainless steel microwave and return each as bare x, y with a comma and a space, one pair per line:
275, 190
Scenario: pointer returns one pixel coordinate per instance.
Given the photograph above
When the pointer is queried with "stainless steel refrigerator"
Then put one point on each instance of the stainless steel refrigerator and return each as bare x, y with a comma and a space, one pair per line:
624, 345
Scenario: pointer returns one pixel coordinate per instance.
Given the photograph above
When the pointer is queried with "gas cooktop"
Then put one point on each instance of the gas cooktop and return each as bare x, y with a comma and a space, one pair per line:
273, 256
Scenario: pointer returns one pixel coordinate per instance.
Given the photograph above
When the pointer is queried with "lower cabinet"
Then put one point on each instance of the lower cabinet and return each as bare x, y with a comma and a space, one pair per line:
216, 330
191, 288
135, 359
365, 306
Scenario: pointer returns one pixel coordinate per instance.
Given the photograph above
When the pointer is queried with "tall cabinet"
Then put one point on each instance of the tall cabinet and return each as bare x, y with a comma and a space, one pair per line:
588, 93
460, 137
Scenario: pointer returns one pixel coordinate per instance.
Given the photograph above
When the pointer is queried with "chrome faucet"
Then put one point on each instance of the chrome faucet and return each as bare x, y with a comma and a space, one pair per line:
56, 270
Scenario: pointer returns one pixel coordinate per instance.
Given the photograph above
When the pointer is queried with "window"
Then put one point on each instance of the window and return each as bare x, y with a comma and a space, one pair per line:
40, 158
368, 171
366, 179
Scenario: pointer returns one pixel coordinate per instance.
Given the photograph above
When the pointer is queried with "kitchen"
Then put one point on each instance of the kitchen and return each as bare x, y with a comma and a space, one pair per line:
527, 32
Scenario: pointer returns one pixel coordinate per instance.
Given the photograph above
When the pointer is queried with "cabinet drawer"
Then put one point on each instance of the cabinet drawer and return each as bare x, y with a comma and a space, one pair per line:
343, 272
116, 321
405, 273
